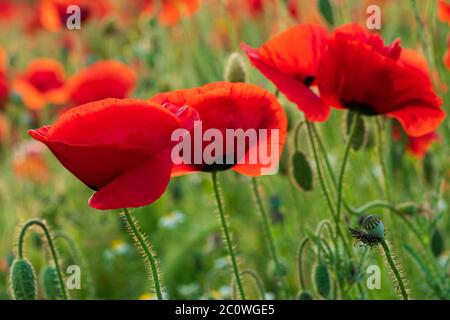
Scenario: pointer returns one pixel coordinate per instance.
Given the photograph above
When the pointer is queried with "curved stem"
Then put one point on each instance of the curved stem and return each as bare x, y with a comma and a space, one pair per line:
142, 243
259, 283
77, 255
297, 129
394, 269
227, 236
42, 225
269, 237
300, 250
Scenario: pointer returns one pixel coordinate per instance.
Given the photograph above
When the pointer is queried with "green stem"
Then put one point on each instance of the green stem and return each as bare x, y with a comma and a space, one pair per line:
340, 184
146, 249
394, 269
300, 250
42, 225
227, 236
319, 171
77, 256
258, 282
381, 159
269, 237
330, 206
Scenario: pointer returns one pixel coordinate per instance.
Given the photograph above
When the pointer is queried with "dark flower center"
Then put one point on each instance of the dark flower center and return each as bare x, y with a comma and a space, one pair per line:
308, 80
360, 107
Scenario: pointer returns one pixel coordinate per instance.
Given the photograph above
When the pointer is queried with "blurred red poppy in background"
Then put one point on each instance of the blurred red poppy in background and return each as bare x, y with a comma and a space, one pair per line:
101, 80
4, 86
447, 54
222, 106
29, 162
170, 12
419, 146
119, 148
290, 60
4, 128
41, 84
360, 73
53, 13
444, 11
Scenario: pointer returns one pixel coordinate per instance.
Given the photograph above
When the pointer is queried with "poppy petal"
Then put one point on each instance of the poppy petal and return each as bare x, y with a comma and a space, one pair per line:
138, 186
307, 101
418, 120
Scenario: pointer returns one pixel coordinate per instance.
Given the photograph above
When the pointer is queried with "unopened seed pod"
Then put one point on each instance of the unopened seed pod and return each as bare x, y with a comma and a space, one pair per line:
374, 226
301, 171
304, 295
235, 69
23, 280
322, 280
437, 243
50, 283
359, 133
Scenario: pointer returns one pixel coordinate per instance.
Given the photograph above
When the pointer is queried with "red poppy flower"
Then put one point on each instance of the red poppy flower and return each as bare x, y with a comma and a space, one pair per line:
290, 60
222, 106
360, 73
171, 11
42, 83
419, 146
444, 11
119, 148
53, 13
101, 80
4, 87
447, 55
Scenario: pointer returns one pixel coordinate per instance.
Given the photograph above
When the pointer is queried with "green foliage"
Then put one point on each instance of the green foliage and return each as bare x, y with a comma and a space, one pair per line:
322, 280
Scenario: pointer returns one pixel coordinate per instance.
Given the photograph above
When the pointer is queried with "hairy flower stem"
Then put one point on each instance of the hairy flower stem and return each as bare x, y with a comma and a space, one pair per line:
340, 185
143, 245
394, 269
43, 226
380, 143
330, 206
227, 235
269, 238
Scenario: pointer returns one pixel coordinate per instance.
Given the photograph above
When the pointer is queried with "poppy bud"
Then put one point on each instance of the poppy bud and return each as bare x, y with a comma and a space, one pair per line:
322, 280
301, 172
437, 243
23, 280
327, 11
235, 70
50, 284
304, 295
374, 226
359, 132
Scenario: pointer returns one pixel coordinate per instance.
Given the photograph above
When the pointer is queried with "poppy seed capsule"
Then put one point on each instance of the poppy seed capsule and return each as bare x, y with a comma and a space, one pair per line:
23, 280
235, 69
50, 284
374, 226
304, 295
322, 280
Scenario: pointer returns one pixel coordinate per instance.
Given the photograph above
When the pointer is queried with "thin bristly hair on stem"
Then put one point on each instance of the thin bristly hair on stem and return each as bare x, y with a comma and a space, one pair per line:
152, 270
52, 250
396, 271
273, 250
226, 235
